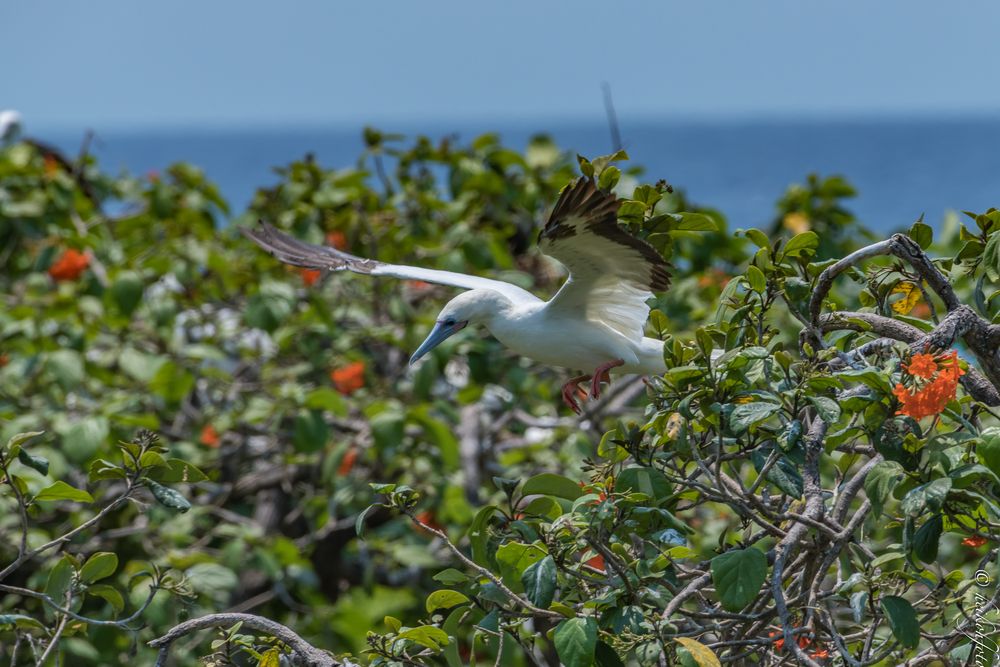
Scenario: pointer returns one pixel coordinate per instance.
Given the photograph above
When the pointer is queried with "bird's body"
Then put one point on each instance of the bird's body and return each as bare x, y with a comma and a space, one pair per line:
596, 320
554, 338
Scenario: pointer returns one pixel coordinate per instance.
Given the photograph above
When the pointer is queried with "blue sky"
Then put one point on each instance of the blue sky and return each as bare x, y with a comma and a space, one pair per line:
120, 64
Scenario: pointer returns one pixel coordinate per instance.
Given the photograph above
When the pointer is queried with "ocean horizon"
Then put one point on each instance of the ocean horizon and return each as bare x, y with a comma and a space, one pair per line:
902, 167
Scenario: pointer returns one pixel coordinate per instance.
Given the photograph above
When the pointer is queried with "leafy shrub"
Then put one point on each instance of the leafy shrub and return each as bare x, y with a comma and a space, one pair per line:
764, 501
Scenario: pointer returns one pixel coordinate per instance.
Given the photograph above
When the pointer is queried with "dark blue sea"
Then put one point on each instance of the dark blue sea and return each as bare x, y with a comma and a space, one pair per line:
901, 168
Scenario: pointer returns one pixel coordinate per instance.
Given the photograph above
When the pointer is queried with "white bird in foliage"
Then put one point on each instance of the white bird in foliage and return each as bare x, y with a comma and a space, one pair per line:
595, 320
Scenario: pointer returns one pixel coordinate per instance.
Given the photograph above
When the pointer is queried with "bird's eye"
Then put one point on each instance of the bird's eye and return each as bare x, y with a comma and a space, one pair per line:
450, 322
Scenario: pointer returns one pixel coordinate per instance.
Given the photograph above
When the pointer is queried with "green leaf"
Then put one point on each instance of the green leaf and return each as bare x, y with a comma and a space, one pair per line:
576, 640
109, 594
168, 497
176, 470
270, 658
552, 485
609, 178
643, 479
925, 540
539, 581
19, 621
310, 432
902, 620
101, 469
926, 496
359, 522
427, 636
828, 409
445, 599
991, 257
126, 291
758, 237
63, 491
450, 577
82, 438
802, 244
701, 653
605, 656
746, 415
514, 558
21, 438
59, 580
325, 398
784, 473
39, 463
102, 564
922, 234
988, 449
738, 575
880, 482
695, 222
756, 278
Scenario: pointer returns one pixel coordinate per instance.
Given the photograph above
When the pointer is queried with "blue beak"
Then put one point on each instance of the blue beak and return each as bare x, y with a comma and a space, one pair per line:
438, 334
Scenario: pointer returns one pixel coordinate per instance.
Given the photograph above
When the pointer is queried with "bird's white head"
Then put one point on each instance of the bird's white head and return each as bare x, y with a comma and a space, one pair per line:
478, 306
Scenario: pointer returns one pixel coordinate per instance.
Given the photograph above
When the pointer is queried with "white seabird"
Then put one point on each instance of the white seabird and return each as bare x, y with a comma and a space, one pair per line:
595, 320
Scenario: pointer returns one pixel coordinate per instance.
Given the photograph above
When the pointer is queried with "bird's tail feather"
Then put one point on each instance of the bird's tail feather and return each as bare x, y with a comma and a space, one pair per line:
292, 251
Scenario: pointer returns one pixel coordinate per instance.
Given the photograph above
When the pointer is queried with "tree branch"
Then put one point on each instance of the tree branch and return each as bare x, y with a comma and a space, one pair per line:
312, 656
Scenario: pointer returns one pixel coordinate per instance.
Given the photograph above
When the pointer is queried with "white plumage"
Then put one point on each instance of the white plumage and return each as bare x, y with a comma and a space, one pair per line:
595, 320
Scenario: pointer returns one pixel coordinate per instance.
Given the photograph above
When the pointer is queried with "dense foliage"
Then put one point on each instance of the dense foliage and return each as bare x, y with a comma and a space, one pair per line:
192, 428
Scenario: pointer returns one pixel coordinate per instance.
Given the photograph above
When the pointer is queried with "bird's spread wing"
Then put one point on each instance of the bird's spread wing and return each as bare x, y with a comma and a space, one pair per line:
611, 273
307, 255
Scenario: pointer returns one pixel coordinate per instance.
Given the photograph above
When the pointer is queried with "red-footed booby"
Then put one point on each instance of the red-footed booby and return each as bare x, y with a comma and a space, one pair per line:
595, 320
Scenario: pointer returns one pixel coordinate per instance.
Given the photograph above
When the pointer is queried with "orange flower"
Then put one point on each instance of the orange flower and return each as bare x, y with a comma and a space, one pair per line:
347, 463
825, 653
209, 436
931, 385
974, 541
310, 276
70, 265
922, 366
803, 641
337, 240
348, 379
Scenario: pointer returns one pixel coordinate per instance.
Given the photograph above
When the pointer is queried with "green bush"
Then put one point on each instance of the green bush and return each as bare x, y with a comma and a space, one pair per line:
765, 500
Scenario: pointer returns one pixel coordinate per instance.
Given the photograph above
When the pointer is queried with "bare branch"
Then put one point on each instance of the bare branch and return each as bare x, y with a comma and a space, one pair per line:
313, 656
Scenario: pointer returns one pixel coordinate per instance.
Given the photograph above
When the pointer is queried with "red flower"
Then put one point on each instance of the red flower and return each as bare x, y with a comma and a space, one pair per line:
825, 653
347, 463
428, 519
931, 385
209, 436
974, 541
348, 379
4, 360
310, 276
70, 265
337, 240
597, 562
